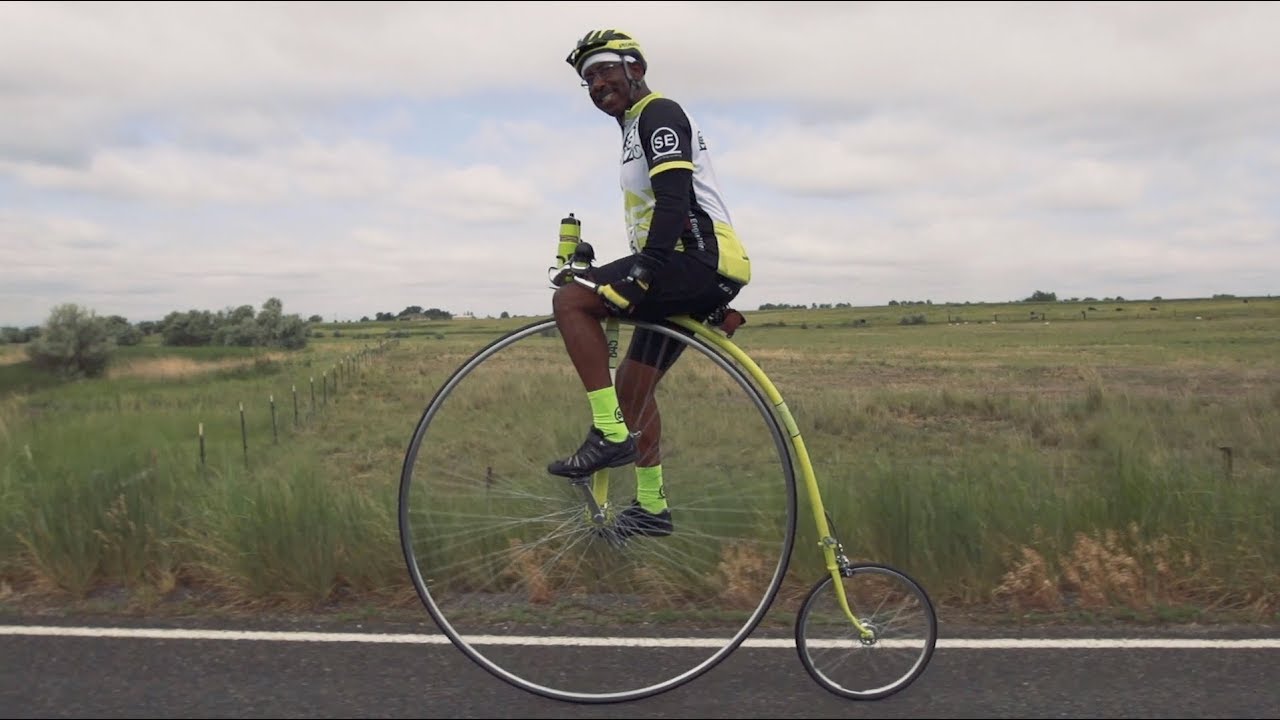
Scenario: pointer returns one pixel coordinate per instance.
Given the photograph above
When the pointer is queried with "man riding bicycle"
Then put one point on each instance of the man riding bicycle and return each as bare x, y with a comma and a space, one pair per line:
685, 258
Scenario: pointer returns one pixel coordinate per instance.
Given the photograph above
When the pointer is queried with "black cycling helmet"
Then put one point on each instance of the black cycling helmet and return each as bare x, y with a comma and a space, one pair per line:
611, 40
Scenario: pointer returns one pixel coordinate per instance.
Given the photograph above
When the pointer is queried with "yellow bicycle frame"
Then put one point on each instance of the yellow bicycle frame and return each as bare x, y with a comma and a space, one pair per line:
600, 482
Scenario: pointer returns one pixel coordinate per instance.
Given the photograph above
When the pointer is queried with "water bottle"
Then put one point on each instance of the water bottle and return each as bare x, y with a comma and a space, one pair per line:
570, 234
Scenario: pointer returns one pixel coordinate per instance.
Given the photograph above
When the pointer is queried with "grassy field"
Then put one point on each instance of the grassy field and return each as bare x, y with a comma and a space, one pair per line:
1025, 460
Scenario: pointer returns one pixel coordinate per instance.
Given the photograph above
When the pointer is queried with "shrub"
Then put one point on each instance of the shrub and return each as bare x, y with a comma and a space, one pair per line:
74, 342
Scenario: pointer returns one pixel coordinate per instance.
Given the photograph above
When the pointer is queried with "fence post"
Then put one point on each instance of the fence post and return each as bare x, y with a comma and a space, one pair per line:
275, 434
324, 379
1226, 461
313, 394
201, 431
294, 388
244, 436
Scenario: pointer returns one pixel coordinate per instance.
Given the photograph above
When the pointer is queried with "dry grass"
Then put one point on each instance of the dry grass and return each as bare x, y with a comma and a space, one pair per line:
12, 355
745, 572
171, 368
1108, 570
1102, 571
528, 565
1030, 585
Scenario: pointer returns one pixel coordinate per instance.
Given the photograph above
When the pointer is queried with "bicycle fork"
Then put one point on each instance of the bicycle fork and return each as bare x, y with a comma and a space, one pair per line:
838, 563
839, 566
595, 490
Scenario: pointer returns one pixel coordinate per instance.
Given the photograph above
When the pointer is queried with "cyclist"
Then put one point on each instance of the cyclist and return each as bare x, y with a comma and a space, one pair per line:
685, 258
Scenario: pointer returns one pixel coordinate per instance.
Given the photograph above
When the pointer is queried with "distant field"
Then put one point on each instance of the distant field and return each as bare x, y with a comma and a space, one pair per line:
1105, 459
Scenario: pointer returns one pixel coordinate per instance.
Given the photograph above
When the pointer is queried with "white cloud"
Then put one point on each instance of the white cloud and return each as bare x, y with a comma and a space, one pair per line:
355, 158
1086, 183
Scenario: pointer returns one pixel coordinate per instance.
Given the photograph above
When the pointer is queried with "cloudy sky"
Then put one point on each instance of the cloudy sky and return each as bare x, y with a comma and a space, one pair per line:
357, 158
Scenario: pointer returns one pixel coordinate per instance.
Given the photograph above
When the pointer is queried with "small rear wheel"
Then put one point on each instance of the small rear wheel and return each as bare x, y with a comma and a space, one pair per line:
896, 642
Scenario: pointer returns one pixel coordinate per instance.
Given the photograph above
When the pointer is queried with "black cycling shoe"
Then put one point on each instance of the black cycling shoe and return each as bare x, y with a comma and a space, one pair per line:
635, 520
596, 453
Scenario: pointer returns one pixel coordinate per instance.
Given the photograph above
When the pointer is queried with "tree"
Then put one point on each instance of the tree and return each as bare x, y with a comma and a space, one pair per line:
122, 331
195, 327
74, 342
244, 313
279, 330
243, 333
17, 335
1042, 296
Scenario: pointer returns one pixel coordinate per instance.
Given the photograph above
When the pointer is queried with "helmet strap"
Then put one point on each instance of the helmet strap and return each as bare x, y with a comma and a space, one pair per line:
632, 82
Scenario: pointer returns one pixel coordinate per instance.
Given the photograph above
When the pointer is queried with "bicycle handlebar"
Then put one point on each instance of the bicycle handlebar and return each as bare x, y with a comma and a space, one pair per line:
592, 286
576, 273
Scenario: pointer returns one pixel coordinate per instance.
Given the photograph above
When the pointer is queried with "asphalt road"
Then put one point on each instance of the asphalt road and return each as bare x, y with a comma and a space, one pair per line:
114, 677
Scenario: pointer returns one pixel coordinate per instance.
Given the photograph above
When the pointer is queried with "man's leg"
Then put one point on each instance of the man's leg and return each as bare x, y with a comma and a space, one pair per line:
638, 377
636, 384
578, 312
650, 356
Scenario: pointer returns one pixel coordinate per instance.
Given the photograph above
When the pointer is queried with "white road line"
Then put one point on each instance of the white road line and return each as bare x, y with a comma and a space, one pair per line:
391, 638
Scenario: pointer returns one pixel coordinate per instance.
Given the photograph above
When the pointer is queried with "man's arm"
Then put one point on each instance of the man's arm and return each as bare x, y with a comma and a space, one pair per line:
666, 137
671, 190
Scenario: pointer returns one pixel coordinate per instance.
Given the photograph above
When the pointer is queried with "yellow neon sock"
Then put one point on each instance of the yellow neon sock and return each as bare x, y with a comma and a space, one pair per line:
606, 415
649, 490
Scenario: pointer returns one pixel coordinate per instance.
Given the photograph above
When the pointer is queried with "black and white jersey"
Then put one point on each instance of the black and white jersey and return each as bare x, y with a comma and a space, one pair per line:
657, 136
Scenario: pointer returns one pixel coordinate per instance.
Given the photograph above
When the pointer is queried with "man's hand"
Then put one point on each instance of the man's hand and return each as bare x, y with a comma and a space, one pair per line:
628, 291
561, 276
579, 264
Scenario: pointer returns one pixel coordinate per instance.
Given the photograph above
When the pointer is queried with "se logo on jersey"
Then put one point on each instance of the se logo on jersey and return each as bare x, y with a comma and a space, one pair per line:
664, 141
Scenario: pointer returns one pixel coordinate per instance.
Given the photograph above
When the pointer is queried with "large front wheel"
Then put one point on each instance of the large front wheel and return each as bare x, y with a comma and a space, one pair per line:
522, 575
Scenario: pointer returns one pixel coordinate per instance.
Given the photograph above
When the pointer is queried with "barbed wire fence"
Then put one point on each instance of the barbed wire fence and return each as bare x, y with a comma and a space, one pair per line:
299, 412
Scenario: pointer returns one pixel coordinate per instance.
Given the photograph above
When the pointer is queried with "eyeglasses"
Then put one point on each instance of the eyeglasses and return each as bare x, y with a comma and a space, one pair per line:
598, 70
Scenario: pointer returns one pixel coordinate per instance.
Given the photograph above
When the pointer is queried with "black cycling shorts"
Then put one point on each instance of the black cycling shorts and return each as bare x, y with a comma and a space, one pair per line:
682, 286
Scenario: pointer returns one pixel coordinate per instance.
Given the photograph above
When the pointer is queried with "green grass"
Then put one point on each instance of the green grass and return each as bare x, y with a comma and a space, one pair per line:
1030, 468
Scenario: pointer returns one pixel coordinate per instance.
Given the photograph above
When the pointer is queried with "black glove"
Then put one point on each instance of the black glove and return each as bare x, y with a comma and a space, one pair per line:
625, 293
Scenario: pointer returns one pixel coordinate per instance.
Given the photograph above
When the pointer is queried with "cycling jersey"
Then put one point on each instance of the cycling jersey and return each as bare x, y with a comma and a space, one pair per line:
657, 136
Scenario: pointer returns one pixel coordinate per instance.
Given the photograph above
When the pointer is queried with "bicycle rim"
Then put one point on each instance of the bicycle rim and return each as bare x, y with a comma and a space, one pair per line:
513, 571
893, 606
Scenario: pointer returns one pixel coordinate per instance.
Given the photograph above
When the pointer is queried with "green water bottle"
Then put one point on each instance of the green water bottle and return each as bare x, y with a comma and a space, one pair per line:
570, 234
